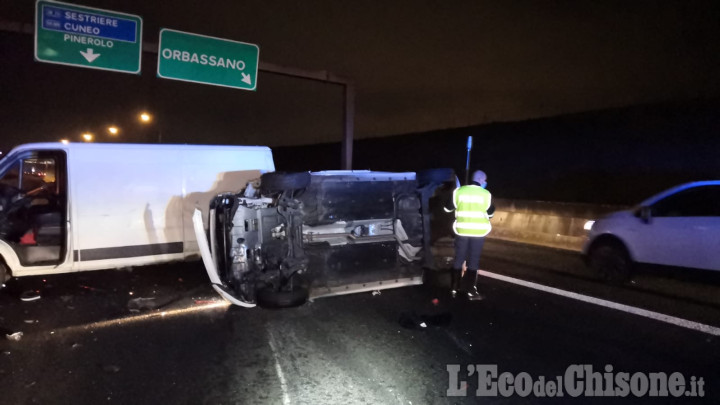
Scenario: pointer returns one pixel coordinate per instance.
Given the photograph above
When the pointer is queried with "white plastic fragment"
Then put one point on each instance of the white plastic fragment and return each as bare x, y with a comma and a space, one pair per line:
30, 296
14, 336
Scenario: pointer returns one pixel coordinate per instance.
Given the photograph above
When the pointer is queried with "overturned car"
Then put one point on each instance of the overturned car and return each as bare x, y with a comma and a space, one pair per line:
292, 236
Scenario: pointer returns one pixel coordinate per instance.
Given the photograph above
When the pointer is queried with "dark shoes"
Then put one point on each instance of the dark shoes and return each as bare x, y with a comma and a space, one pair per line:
472, 295
475, 296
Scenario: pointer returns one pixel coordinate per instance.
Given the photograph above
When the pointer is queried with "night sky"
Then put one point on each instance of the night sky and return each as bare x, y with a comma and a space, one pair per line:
417, 65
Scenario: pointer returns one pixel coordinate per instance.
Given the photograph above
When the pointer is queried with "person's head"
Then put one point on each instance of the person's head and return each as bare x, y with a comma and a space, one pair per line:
480, 178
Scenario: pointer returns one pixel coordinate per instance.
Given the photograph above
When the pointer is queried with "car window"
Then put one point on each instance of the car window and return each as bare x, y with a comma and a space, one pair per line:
38, 172
693, 202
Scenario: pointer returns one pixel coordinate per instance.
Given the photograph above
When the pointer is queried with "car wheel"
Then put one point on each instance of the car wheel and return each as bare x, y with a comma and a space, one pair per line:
611, 261
276, 182
271, 298
434, 176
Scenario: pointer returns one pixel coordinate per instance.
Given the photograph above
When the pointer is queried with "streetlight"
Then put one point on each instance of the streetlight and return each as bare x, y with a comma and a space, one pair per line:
64, 141
146, 118
87, 137
113, 130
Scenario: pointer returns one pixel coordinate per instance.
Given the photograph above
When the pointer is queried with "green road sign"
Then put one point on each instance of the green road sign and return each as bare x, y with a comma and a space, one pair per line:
67, 34
202, 59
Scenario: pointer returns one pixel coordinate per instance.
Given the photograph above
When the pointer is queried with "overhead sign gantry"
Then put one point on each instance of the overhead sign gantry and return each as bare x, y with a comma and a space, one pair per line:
68, 34
203, 59
73, 35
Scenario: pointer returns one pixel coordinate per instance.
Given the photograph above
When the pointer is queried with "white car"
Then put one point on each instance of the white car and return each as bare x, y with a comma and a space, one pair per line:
678, 227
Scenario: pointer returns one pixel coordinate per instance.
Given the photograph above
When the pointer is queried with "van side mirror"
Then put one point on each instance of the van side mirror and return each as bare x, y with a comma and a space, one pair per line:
645, 214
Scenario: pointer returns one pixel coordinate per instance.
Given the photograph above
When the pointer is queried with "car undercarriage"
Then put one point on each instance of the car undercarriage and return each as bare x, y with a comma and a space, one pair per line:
290, 236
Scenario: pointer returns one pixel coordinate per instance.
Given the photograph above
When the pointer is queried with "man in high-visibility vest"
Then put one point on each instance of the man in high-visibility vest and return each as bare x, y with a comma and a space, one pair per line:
473, 208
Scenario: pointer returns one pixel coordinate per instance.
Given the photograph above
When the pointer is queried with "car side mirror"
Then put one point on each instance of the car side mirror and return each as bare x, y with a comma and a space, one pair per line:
645, 214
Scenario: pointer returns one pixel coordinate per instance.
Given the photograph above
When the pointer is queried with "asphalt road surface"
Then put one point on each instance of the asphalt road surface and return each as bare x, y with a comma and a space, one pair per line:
161, 335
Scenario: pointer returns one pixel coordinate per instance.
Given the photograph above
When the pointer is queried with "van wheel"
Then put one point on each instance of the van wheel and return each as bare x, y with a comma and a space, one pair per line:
275, 182
436, 176
611, 261
270, 298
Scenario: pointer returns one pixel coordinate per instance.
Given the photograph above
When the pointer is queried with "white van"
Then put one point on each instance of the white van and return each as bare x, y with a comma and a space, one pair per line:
78, 207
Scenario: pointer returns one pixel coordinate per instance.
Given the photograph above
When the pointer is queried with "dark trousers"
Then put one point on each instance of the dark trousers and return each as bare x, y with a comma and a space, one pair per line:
467, 249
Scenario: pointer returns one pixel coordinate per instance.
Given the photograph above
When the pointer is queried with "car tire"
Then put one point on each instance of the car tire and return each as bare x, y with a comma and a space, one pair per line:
274, 182
611, 261
433, 176
270, 298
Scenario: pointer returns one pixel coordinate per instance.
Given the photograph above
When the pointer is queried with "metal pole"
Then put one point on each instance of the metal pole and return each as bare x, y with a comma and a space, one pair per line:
467, 161
347, 142
349, 110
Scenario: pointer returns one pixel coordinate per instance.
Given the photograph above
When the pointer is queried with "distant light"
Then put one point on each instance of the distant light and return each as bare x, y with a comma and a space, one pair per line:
65, 141
113, 130
145, 117
88, 137
588, 225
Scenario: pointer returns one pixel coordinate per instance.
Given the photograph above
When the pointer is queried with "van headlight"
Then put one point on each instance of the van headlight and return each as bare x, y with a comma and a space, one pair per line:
588, 225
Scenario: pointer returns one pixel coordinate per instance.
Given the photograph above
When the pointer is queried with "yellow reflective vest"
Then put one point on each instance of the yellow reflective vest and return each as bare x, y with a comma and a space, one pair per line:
471, 205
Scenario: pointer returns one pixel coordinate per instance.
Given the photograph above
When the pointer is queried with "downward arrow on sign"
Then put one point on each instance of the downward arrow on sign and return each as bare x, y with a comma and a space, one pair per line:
246, 78
90, 55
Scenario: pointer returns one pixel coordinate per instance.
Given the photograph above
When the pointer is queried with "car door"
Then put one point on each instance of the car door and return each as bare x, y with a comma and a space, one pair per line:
34, 208
684, 229
705, 225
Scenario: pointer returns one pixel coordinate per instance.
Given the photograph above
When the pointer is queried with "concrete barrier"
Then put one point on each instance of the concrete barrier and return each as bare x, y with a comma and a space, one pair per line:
552, 224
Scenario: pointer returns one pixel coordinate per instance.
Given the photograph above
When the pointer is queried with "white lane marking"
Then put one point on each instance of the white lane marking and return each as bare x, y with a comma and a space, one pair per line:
278, 369
712, 330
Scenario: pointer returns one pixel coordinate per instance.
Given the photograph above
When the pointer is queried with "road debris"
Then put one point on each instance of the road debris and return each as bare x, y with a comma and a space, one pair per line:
411, 320
111, 368
30, 295
140, 303
93, 289
14, 336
